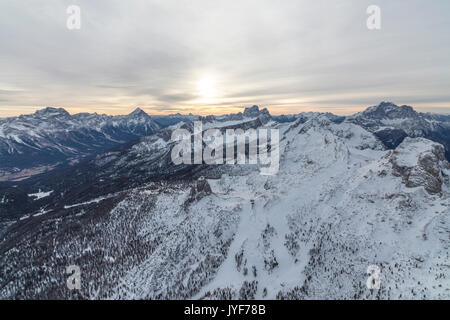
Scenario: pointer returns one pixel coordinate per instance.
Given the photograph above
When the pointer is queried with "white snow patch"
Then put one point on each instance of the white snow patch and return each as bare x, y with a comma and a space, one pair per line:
40, 194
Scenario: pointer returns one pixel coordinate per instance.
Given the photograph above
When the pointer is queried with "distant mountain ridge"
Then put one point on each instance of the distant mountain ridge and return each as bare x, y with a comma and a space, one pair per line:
392, 124
52, 136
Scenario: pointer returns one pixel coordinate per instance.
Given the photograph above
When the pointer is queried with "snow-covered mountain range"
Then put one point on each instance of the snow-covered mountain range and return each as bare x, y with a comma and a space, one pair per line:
392, 123
139, 227
37, 142
51, 138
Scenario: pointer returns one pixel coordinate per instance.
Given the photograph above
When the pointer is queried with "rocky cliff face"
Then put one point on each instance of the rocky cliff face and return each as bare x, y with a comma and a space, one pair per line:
421, 163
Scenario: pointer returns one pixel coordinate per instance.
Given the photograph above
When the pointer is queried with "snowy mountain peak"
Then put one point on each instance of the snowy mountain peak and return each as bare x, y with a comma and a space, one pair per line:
138, 112
52, 112
409, 152
391, 124
255, 112
389, 110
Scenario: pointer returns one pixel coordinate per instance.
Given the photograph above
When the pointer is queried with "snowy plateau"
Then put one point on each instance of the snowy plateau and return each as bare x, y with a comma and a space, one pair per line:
345, 197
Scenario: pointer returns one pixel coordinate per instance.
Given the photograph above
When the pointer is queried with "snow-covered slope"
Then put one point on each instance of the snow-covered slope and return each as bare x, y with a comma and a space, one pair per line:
340, 203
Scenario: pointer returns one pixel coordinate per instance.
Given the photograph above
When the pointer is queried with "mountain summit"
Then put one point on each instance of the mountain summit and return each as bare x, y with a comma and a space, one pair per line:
389, 110
138, 112
52, 112
392, 124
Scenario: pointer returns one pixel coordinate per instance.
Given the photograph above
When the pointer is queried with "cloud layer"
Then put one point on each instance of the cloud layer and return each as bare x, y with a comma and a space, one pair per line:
290, 55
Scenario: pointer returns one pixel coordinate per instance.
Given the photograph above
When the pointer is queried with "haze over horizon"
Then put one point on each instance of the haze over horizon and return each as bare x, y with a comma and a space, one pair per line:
215, 57
238, 109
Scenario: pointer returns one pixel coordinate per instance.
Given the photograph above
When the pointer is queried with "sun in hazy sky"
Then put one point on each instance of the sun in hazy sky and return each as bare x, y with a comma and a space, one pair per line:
211, 56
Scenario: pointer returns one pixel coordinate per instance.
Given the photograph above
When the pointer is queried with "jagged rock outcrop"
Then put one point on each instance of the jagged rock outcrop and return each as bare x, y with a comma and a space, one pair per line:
199, 190
421, 162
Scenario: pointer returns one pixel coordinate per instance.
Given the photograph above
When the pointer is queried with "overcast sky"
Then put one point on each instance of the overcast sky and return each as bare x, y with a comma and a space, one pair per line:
210, 56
